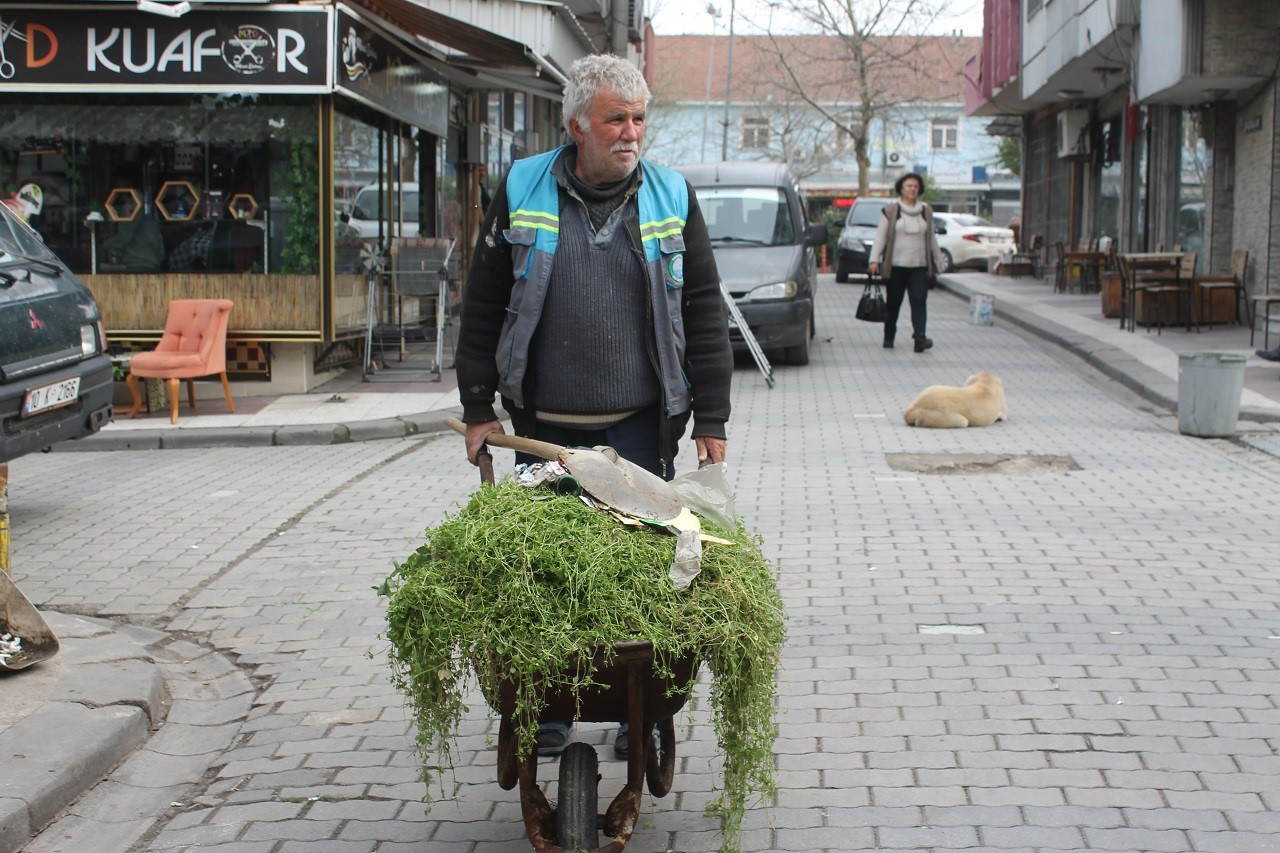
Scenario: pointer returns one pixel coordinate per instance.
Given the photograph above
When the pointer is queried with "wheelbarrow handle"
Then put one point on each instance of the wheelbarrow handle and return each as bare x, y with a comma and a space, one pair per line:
484, 459
542, 449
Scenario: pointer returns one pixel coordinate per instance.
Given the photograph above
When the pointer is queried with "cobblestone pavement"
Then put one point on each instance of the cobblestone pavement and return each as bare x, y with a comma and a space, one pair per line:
1067, 644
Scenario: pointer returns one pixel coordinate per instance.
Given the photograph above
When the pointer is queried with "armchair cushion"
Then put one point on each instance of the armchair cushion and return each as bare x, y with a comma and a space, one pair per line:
194, 342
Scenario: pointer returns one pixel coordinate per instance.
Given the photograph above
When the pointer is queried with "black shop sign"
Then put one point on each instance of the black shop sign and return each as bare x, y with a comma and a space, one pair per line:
370, 67
45, 48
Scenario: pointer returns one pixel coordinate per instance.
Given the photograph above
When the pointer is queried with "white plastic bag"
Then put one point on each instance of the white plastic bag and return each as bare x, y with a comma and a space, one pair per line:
706, 492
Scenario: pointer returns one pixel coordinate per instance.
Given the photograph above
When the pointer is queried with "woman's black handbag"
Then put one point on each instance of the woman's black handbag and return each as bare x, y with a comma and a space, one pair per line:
871, 305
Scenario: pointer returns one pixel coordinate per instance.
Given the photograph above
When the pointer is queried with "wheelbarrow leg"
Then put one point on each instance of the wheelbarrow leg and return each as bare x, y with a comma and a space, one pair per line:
539, 818
620, 818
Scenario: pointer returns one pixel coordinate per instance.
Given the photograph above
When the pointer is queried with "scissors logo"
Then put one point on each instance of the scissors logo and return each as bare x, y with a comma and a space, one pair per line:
241, 51
7, 69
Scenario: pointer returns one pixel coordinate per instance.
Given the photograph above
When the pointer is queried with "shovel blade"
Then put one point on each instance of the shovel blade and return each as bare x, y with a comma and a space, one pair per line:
623, 485
19, 618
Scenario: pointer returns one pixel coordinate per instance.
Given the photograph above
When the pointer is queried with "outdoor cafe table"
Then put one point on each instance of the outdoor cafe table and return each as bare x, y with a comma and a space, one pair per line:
1089, 265
1150, 267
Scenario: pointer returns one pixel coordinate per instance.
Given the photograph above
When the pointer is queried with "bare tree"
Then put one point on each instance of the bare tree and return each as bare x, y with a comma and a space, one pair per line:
872, 63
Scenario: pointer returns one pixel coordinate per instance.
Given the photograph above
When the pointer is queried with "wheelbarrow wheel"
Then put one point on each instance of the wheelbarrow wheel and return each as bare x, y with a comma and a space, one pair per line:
576, 824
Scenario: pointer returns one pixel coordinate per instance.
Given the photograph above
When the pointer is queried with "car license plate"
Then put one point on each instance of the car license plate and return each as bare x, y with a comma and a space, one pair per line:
51, 396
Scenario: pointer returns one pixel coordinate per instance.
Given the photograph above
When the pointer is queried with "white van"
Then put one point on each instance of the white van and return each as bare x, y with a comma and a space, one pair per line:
367, 209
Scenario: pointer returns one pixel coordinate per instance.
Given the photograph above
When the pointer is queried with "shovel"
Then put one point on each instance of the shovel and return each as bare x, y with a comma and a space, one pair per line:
611, 480
20, 619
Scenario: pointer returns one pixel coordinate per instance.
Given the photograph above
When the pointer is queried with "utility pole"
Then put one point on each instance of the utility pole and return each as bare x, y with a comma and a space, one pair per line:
728, 86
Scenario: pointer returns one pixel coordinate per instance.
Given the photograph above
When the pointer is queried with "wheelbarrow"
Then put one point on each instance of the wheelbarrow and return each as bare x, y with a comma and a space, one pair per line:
627, 688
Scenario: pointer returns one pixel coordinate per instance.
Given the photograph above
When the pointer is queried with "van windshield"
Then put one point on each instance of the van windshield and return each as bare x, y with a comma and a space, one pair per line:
368, 205
755, 215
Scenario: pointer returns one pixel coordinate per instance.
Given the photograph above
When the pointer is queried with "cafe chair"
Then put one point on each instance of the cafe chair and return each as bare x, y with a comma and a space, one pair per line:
194, 344
1029, 258
1142, 275
1263, 302
1175, 289
1060, 268
1208, 286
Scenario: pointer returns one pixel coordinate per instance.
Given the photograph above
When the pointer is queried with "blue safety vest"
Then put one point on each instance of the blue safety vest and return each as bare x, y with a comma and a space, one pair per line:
533, 199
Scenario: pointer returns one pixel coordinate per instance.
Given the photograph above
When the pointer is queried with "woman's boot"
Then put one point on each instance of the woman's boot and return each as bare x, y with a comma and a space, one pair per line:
923, 343
888, 339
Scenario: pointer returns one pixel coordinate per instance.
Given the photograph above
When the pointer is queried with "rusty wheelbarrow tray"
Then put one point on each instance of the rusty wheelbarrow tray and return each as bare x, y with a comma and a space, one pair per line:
630, 690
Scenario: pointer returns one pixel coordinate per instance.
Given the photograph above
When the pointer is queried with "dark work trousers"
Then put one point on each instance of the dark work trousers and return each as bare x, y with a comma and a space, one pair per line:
912, 282
635, 439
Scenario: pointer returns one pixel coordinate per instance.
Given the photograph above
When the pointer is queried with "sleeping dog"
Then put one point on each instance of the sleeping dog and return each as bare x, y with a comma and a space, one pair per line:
979, 403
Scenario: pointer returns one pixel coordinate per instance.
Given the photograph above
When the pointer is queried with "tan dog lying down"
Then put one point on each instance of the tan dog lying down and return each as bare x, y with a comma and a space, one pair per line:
979, 403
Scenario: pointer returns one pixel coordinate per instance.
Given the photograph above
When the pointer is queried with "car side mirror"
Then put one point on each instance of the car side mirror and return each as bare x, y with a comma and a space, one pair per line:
343, 216
939, 228
817, 235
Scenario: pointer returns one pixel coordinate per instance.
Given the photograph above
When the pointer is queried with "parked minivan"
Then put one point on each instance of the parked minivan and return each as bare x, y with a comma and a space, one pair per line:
55, 381
764, 250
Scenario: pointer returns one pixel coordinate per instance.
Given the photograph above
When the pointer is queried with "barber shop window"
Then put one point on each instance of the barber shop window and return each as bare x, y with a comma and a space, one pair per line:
755, 132
191, 184
944, 134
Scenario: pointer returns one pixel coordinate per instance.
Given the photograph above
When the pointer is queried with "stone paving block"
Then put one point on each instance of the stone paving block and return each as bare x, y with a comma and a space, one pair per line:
1154, 840
1002, 837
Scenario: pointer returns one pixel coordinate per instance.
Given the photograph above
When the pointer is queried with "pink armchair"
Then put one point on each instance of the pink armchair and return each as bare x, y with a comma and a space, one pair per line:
194, 344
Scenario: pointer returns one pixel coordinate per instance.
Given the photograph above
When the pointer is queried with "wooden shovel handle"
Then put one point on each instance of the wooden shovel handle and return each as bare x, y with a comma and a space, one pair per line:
543, 449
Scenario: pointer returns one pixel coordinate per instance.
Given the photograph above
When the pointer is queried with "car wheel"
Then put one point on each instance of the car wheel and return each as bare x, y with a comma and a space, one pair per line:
947, 263
799, 354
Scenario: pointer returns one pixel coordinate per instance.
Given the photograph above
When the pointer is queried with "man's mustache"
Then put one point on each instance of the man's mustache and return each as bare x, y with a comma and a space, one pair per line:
619, 147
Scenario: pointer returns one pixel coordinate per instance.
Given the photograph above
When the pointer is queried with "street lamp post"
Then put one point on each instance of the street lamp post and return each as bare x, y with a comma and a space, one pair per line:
728, 86
711, 53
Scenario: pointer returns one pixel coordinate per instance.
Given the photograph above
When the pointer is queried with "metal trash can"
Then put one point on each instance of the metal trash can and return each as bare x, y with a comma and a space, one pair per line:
1209, 389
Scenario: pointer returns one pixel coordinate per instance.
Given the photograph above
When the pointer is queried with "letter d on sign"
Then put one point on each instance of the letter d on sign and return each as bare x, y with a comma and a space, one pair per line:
51, 41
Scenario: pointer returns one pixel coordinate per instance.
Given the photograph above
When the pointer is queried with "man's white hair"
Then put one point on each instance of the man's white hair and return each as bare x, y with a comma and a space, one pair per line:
596, 73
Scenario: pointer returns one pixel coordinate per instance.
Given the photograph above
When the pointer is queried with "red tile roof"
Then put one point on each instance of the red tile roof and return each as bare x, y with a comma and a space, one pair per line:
902, 69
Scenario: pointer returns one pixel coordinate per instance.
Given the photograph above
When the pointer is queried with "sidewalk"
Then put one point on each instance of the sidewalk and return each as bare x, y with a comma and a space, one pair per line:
407, 398
125, 671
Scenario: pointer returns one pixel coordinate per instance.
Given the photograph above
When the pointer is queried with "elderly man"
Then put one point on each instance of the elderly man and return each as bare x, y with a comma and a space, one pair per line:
593, 304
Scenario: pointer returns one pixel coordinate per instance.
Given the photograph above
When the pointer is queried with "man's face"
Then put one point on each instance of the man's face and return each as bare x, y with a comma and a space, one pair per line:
610, 149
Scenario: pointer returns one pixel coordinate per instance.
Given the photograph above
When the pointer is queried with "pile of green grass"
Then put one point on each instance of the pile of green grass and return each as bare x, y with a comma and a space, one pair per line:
521, 588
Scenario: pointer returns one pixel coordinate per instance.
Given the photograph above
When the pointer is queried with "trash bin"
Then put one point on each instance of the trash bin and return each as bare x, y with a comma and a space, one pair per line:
1209, 389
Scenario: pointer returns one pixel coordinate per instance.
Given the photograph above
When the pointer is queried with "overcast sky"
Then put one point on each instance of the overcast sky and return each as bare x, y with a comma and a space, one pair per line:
673, 17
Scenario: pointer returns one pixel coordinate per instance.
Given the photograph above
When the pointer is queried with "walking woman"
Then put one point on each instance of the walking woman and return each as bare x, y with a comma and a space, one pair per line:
906, 254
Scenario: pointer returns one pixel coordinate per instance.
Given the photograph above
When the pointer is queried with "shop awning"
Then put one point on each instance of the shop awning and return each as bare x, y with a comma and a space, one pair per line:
509, 43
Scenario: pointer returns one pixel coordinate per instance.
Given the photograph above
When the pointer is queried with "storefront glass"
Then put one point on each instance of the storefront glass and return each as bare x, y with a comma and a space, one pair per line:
205, 183
1110, 178
1193, 166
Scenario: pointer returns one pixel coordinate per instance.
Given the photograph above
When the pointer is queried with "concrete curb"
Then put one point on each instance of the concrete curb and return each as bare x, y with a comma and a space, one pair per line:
93, 705
294, 435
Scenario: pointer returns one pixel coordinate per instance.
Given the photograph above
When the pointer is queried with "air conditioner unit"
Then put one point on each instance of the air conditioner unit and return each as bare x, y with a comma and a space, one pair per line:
895, 158
1073, 133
